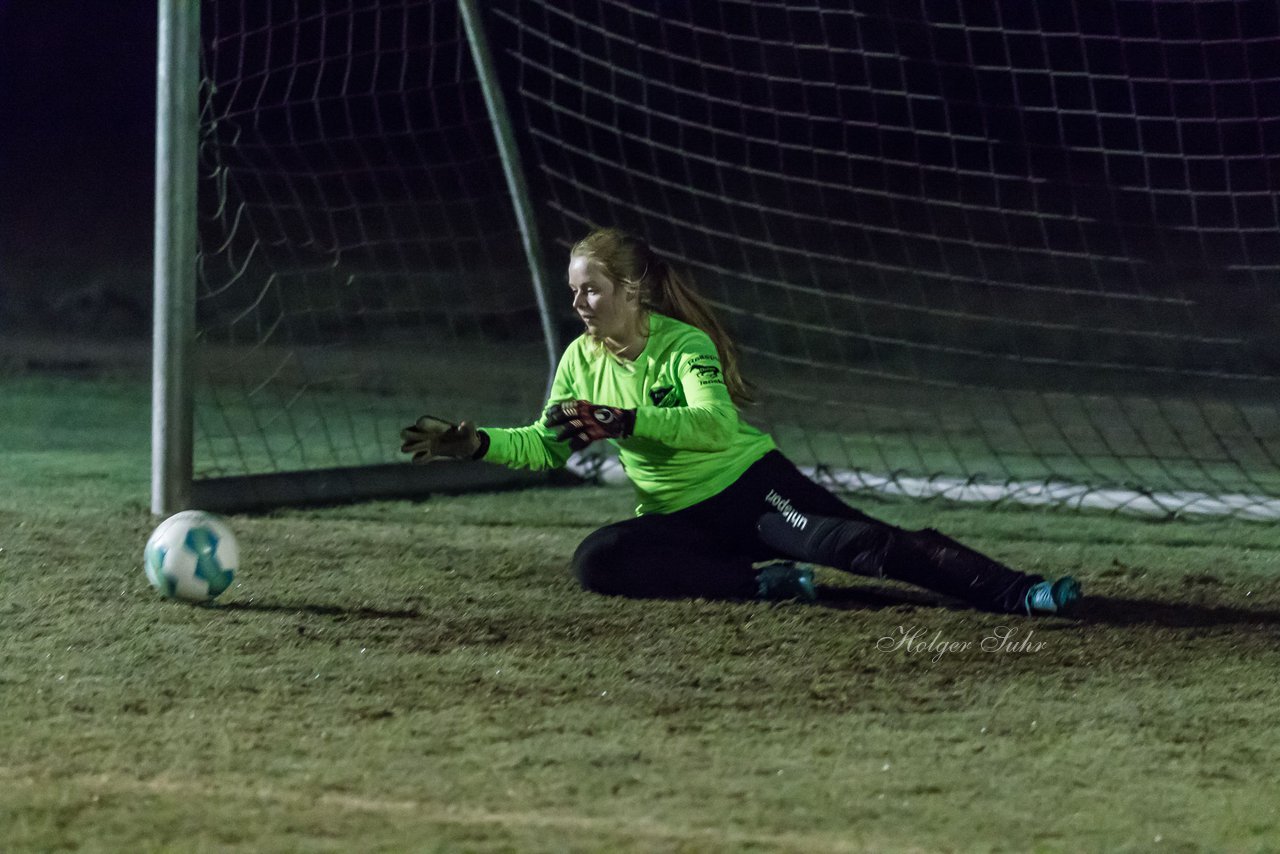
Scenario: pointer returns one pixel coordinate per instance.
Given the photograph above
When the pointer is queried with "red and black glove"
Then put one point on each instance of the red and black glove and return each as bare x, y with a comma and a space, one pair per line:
582, 423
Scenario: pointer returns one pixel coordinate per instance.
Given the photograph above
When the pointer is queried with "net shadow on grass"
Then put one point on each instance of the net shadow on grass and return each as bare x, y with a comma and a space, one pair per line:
340, 612
867, 597
1115, 611
1096, 610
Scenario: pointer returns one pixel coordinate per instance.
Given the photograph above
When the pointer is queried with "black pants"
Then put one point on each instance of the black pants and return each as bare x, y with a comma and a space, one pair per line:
708, 549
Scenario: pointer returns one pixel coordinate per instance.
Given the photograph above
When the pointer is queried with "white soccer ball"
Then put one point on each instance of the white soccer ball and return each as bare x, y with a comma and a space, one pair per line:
192, 556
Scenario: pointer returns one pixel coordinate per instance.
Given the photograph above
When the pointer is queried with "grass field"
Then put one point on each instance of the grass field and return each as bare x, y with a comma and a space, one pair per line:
424, 676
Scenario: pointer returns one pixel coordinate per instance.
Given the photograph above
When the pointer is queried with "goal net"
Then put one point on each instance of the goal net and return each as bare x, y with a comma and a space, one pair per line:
993, 251
360, 261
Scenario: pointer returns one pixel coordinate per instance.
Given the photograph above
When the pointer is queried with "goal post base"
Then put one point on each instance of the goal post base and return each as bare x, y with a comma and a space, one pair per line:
256, 492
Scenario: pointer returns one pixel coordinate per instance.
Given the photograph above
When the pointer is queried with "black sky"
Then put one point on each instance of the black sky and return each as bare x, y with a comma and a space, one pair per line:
77, 93
1186, 99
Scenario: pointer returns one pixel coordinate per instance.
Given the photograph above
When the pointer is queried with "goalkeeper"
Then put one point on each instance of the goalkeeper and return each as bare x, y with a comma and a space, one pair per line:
656, 375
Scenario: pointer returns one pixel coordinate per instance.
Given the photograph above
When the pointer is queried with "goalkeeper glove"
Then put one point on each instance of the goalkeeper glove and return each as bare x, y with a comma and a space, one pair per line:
582, 423
430, 438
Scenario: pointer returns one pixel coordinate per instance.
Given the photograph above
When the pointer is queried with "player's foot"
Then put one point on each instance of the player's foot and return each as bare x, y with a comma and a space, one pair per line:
781, 581
1050, 597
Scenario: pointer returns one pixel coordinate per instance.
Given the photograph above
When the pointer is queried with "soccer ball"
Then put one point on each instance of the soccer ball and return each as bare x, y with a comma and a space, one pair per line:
192, 556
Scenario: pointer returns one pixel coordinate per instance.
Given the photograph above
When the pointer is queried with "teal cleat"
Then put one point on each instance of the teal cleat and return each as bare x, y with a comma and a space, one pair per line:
779, 582
1050, 597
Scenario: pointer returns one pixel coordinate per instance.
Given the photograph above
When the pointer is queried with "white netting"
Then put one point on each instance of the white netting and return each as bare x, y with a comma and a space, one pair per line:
984, 242
360, 259
969, 242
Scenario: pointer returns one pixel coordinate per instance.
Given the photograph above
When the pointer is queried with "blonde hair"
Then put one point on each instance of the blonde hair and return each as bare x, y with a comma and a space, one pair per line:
629, 261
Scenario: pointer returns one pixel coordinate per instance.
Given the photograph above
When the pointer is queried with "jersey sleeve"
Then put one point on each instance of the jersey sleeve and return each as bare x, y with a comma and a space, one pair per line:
535, 446
709, 419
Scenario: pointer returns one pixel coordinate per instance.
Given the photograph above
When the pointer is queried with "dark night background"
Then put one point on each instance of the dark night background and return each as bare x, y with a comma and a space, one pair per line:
77, 92
1075, 198
77, 96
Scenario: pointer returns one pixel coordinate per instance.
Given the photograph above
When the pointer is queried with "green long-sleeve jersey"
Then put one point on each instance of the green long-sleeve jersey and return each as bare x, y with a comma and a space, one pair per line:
688, 443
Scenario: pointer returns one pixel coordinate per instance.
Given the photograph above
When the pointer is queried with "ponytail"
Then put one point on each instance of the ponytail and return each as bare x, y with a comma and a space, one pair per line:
630, 262
673, 297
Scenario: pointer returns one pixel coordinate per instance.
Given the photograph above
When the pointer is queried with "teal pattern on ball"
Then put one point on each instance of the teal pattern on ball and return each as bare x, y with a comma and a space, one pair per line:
204, 543
155, 572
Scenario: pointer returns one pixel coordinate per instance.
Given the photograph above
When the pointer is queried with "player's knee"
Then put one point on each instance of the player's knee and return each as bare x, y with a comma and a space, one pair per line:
597, 562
